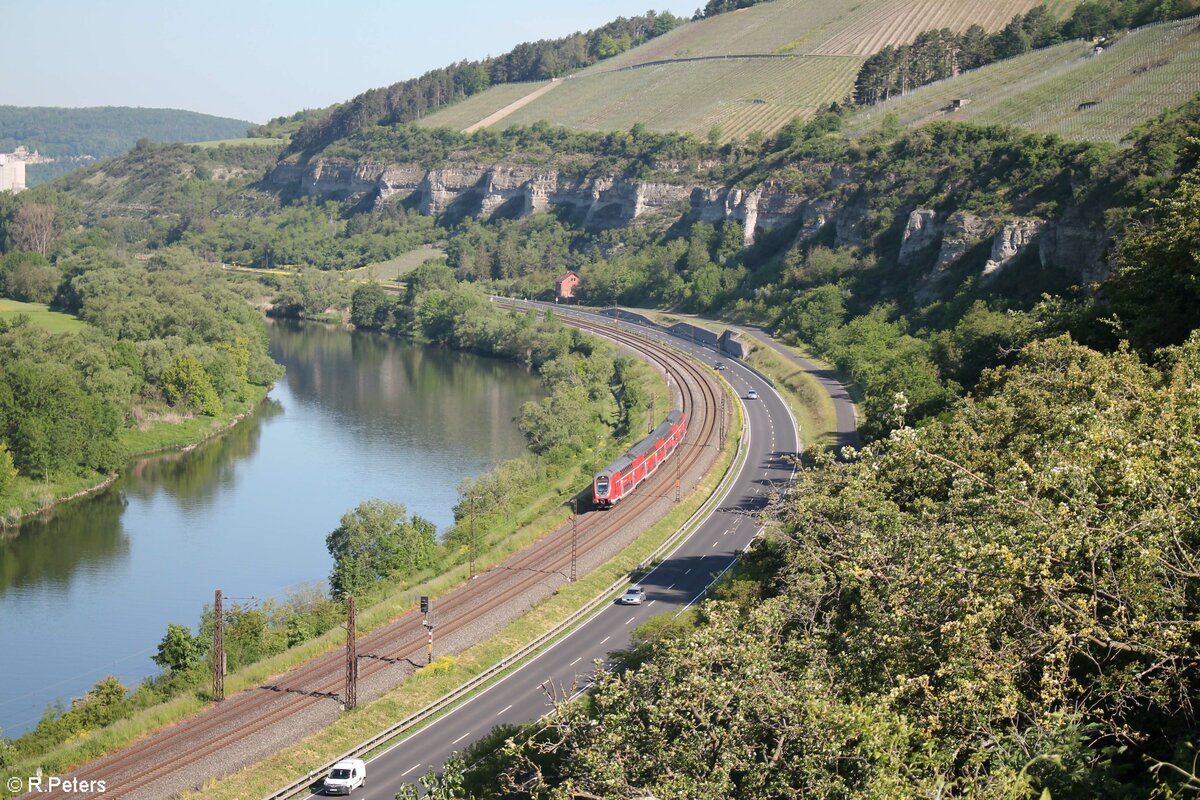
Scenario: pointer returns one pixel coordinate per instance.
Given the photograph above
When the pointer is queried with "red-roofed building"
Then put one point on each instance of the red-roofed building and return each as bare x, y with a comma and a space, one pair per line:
565, 286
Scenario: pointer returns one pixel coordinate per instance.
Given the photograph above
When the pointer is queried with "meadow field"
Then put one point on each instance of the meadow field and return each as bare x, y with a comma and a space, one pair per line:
39, 315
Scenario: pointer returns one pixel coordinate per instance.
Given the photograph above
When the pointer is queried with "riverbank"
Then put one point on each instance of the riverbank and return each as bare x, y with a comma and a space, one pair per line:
26, 498
451, 409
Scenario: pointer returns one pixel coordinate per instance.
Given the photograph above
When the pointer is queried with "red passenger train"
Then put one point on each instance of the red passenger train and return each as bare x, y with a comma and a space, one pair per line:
619, 478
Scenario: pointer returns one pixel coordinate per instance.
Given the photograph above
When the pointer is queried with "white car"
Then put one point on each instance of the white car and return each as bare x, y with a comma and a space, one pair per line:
346, 776
634, 596
751, 395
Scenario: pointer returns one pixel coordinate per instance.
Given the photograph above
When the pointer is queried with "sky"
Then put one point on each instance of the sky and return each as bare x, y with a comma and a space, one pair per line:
259, 59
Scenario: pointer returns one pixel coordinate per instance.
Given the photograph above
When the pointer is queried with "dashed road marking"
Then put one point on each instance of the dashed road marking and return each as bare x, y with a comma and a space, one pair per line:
652, 602
629, 620
606, 638
576, 661
506, 708
410, 769
459, 739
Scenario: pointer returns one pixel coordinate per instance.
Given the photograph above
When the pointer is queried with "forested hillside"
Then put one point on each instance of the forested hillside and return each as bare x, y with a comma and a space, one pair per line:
997, 596
528, 61
77, 136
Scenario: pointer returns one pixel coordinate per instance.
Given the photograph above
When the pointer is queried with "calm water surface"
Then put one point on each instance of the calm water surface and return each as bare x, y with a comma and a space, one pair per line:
90, 592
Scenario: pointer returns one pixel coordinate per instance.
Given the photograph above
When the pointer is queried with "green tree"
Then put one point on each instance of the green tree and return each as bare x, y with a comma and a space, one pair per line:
1156, 293
562, 422
370, 307
186, 384
179, 650
377, 542
8, 471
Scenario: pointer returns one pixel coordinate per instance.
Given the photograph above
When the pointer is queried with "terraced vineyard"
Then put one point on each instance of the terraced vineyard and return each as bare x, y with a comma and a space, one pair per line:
873, 26
795, 57
473, 109
1067, 89
736, 95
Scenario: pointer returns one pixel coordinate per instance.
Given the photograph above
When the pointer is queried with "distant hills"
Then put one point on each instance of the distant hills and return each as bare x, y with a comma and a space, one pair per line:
77, 136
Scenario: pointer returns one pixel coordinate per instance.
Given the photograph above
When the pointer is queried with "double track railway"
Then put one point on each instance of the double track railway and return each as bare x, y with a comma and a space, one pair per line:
220, 731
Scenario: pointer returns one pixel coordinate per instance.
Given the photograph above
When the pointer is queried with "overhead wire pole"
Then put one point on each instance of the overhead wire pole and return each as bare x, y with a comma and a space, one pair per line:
351, 698
473, 545
574, 535
218, 649
721, 422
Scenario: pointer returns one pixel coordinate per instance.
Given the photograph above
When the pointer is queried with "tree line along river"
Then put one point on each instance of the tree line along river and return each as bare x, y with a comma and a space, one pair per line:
89, 591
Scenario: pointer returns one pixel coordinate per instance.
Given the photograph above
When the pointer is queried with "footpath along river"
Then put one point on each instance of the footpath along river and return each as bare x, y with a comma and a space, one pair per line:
89, 592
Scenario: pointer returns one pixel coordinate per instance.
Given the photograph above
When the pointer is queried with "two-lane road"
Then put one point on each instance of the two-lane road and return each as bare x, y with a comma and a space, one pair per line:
679, 581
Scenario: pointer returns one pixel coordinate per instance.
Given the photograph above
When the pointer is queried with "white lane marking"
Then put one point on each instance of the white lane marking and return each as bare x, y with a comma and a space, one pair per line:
576, 661
606, 638
669, 588
629, 620
714, 544
410, 769
652, 602
459, 739
506, 708
726, 533
689, 569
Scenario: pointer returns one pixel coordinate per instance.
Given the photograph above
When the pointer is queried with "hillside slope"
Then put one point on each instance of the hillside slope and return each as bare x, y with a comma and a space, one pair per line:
747, 70
76, 136
1067, 89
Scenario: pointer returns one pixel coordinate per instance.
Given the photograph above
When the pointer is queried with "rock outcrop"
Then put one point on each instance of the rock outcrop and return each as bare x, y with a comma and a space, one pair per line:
1016, 235
933, 243
921, 235
486, 191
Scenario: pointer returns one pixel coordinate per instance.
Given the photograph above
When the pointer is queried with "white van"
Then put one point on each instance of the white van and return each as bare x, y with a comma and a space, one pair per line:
346, 776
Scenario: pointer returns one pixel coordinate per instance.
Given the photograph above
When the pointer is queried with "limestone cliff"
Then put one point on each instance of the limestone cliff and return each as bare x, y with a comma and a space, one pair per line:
486, 191
932, 241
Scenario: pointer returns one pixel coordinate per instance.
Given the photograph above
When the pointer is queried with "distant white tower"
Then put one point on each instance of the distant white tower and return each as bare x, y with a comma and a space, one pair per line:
12, 168
12, 173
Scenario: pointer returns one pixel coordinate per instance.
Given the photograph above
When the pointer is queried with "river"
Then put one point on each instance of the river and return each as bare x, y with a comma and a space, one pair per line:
89, 592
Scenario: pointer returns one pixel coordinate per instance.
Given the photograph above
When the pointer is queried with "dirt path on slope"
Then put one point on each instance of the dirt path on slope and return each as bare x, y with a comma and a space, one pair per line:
495, 117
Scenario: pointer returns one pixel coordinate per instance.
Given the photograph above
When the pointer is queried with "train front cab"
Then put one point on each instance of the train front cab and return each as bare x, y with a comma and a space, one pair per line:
602, 490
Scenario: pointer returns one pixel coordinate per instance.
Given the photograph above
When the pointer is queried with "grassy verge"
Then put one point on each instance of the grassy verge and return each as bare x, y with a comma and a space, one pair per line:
810, 404
164, 435
448, 673
40, 315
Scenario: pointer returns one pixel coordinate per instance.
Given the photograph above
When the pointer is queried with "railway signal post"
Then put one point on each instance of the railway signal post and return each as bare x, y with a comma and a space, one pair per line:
574, 535
428, 627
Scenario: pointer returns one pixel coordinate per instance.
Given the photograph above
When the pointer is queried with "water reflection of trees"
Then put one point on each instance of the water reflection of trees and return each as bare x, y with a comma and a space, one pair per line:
48, 551
455, 399
199, 475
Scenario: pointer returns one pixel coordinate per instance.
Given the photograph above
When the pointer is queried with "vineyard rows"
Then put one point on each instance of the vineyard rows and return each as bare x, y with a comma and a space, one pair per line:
899, 21
737, 95
473, 109
1066, 89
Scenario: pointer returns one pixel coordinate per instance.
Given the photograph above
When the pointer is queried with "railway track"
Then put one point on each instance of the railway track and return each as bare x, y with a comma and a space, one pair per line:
257, 710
